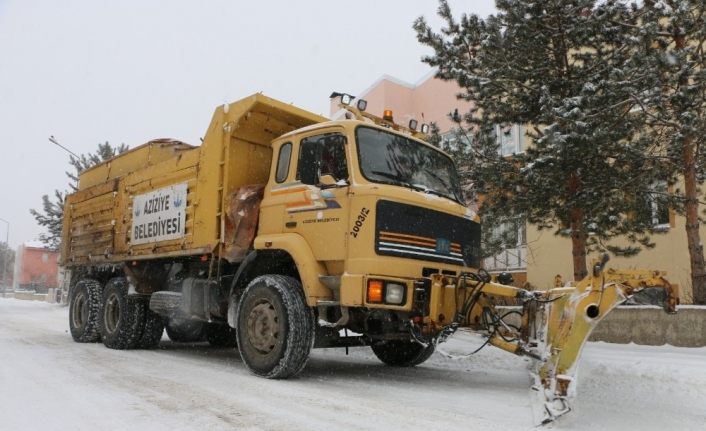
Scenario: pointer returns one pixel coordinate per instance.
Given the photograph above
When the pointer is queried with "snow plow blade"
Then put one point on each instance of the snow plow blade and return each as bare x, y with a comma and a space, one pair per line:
564, 323
553, 325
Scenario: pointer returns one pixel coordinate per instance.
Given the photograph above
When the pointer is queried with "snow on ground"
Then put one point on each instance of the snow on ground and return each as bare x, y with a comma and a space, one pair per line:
48, 382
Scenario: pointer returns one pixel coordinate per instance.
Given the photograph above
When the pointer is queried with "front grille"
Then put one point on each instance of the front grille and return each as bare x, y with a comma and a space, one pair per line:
419, 233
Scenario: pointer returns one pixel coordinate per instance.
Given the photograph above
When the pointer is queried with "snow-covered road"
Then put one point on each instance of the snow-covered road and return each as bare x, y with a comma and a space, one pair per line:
48, 382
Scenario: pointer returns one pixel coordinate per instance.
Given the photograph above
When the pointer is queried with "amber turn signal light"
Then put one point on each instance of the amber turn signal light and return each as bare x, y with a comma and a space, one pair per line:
375, 289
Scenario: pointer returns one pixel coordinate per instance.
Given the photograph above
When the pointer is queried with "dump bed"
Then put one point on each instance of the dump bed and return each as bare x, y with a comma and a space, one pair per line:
166, 198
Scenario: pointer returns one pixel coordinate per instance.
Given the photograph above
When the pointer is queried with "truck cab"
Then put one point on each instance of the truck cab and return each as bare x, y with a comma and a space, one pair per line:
380, 210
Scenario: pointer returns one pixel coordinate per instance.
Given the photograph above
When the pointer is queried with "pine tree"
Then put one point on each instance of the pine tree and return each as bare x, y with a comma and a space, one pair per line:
669, 45
557, 66
7, 264
52, 214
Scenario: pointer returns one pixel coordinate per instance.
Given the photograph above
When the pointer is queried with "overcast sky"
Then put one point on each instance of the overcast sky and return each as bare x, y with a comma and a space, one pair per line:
133, 70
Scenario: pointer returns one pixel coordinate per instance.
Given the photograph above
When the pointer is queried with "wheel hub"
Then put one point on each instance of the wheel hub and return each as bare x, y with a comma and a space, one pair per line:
80, 310
112, 313
263, 327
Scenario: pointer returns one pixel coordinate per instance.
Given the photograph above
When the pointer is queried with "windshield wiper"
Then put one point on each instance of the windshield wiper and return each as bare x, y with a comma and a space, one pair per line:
389, 175
399, 180
443, 182
436, 177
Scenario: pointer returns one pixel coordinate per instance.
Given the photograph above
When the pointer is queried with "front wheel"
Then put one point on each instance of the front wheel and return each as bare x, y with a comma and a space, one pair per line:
275, 327
399, 353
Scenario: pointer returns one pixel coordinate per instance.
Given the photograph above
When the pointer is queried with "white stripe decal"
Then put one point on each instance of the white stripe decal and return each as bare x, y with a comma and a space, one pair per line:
394, 244
420, 253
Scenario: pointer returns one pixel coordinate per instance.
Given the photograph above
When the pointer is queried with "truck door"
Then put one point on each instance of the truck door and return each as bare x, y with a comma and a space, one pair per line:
320, 213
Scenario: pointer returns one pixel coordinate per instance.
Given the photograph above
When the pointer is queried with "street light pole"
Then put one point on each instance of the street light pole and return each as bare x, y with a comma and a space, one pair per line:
4, 258
53, 140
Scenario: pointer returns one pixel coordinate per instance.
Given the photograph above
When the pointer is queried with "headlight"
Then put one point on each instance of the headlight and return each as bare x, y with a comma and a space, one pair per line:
394, 293
362, 104
386, 292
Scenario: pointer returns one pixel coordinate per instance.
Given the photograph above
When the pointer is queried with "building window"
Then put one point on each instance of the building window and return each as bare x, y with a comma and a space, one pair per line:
45, 257
509, 137
656, 206
455, 138
513, 235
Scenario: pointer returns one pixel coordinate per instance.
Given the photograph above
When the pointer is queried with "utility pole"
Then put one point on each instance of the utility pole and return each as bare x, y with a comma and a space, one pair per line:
5, 256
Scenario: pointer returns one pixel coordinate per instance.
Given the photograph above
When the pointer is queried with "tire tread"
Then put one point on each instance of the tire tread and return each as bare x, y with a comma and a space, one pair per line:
300, 326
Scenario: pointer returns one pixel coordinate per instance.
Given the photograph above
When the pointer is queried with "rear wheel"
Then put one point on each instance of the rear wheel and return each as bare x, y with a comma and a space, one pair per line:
153, 329
275, 327
399, 353
84, 311
121, 318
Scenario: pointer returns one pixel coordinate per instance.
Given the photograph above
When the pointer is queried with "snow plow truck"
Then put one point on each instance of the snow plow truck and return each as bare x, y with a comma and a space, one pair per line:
283, 231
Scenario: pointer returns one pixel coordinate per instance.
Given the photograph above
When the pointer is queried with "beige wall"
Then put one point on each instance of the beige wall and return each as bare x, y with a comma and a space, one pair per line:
549, 255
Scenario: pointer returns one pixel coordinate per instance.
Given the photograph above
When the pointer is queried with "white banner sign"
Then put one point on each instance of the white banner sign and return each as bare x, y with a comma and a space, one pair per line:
159, 215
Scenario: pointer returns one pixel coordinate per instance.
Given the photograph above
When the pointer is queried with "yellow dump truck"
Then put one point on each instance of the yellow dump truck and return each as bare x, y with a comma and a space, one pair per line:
284, 229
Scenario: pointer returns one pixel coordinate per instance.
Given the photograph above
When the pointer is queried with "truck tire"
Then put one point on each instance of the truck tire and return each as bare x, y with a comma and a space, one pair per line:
121, 317
399, 353
153, 328
185, 331
221, 336
275, 327
84, 311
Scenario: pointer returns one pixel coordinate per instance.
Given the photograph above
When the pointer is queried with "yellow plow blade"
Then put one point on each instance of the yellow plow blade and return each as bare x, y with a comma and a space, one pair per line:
553, 327
562, 321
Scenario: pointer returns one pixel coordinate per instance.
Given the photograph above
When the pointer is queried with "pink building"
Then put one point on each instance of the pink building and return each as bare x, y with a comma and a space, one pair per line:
36, 268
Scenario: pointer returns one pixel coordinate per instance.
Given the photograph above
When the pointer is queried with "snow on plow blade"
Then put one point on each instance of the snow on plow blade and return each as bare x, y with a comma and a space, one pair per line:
561, 322
555, 324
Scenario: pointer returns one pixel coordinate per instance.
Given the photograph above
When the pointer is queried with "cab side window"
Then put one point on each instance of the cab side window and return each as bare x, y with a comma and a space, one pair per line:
285, 153
322, 154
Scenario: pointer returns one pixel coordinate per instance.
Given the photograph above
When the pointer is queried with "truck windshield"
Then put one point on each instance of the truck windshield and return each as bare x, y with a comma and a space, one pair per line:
393, 159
